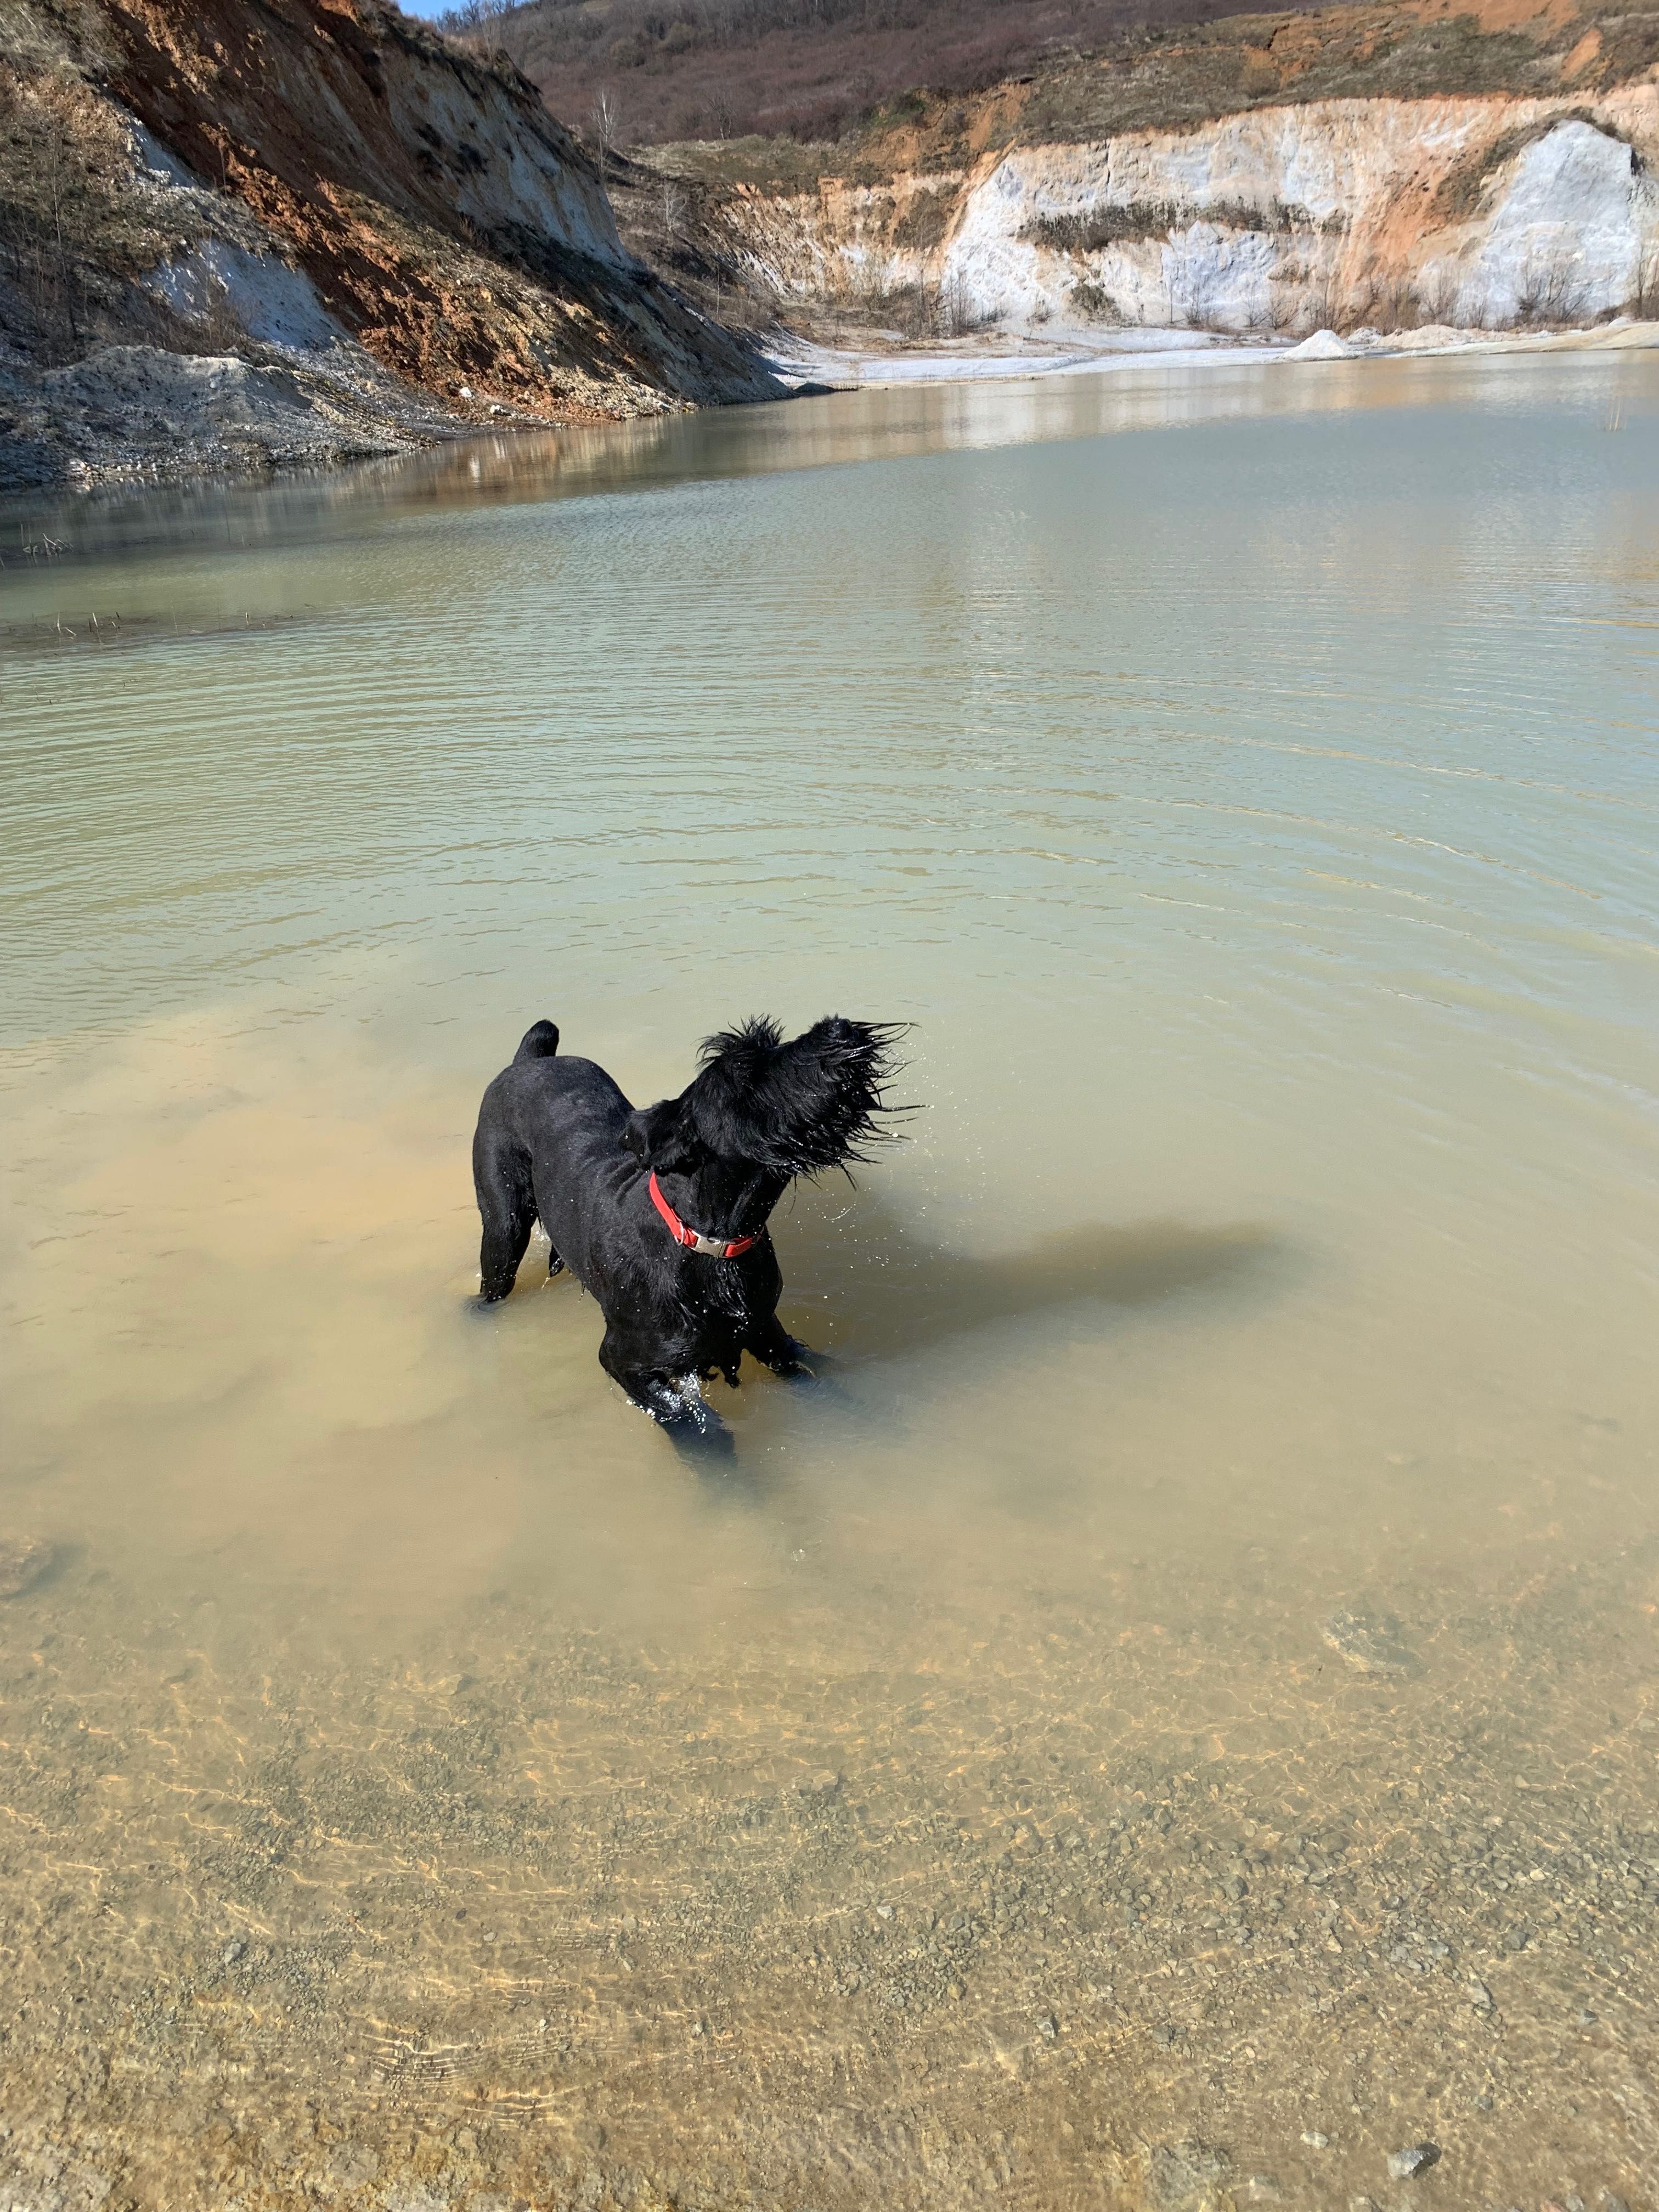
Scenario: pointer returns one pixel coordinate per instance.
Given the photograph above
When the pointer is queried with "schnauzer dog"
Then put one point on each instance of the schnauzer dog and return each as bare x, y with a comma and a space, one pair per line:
660, 1212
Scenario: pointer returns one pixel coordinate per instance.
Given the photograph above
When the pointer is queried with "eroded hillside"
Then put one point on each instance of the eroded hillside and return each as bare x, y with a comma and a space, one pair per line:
1392, 166
300, 229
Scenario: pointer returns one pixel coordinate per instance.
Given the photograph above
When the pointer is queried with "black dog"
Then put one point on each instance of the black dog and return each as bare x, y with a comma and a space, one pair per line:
660, 1212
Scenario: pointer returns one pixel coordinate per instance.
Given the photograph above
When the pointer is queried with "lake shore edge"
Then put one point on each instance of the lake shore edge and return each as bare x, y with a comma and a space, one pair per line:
228, 420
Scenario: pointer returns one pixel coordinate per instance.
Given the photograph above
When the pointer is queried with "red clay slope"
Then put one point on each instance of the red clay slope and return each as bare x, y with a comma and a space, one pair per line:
443, 215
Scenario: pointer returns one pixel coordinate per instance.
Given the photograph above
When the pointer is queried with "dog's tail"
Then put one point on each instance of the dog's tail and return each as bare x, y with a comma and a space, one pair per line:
540, 1042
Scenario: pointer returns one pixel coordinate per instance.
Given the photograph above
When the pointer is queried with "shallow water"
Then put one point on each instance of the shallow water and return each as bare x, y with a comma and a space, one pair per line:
1243, 781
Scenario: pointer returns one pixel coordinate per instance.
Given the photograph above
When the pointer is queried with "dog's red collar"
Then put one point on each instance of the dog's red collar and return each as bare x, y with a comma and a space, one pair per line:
683, 1234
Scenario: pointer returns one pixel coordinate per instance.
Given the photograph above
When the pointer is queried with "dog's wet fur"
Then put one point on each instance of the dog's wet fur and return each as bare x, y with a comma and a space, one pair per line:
556, 1138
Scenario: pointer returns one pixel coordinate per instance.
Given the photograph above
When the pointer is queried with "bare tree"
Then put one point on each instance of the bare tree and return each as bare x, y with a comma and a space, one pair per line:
607, 118
473, 15
673, 209
958, 312
57, 221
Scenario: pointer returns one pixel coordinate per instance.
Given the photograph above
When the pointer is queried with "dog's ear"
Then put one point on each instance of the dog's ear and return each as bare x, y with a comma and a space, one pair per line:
660, 1135
795, 1108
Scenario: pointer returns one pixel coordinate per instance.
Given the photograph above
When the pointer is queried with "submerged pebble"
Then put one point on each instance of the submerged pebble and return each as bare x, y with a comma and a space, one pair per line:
1415, 2158
24, 1560
1371, 1645
1177, 2173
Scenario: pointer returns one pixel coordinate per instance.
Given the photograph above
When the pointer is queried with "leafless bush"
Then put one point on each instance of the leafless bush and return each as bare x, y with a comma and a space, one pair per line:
914, 309
1552, 291
220, 328
1322, 302
1645, 301
59, 205
957, 312
1194, 302
1093, 303
1135, 220
1438, 290
1387, 304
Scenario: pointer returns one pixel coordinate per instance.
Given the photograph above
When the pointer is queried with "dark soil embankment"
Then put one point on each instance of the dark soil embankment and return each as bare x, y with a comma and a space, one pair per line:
329, 189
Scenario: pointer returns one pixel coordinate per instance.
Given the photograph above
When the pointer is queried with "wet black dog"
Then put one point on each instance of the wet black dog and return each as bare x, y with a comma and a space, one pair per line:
660, 1212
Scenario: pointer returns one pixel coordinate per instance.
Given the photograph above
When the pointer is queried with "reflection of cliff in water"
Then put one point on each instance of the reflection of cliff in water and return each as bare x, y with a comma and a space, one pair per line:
882, 424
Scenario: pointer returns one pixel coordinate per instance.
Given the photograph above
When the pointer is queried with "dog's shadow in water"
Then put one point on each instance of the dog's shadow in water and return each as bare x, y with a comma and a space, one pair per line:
863, 1287
885, 1291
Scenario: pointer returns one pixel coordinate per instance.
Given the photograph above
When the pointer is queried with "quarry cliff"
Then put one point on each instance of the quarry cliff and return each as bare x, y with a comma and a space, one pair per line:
239, 231
1383, 166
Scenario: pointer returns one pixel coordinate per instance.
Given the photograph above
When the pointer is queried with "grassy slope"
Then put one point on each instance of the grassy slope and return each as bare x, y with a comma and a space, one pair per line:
806, 69
1161, 70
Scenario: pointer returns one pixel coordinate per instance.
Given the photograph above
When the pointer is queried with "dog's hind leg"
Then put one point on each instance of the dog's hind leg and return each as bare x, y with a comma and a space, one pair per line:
507, 1203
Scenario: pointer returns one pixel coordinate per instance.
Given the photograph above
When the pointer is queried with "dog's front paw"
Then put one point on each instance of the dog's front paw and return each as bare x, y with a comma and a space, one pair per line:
683, 1402
679, 1407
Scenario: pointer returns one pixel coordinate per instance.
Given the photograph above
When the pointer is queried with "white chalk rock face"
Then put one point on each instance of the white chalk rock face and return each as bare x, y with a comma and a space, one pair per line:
274, 304
1233, 226
1387, 212
1566, 238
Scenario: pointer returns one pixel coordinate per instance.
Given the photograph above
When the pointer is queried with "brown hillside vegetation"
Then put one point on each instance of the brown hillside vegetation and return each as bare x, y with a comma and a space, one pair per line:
1401, 50
866, 74
802, 68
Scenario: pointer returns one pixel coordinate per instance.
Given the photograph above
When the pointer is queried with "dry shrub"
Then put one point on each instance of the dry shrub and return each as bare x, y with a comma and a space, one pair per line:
924, 222
1138, 219
73, 229
1092, 303
55, 34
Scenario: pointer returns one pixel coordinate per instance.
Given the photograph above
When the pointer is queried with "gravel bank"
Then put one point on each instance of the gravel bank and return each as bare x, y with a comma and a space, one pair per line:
1171, 1905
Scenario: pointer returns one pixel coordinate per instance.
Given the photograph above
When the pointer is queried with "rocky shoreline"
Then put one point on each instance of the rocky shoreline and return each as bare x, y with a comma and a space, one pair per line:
139, 414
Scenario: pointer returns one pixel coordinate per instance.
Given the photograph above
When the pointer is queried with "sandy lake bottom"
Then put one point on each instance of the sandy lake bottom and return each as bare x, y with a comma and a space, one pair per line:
1172, 1719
